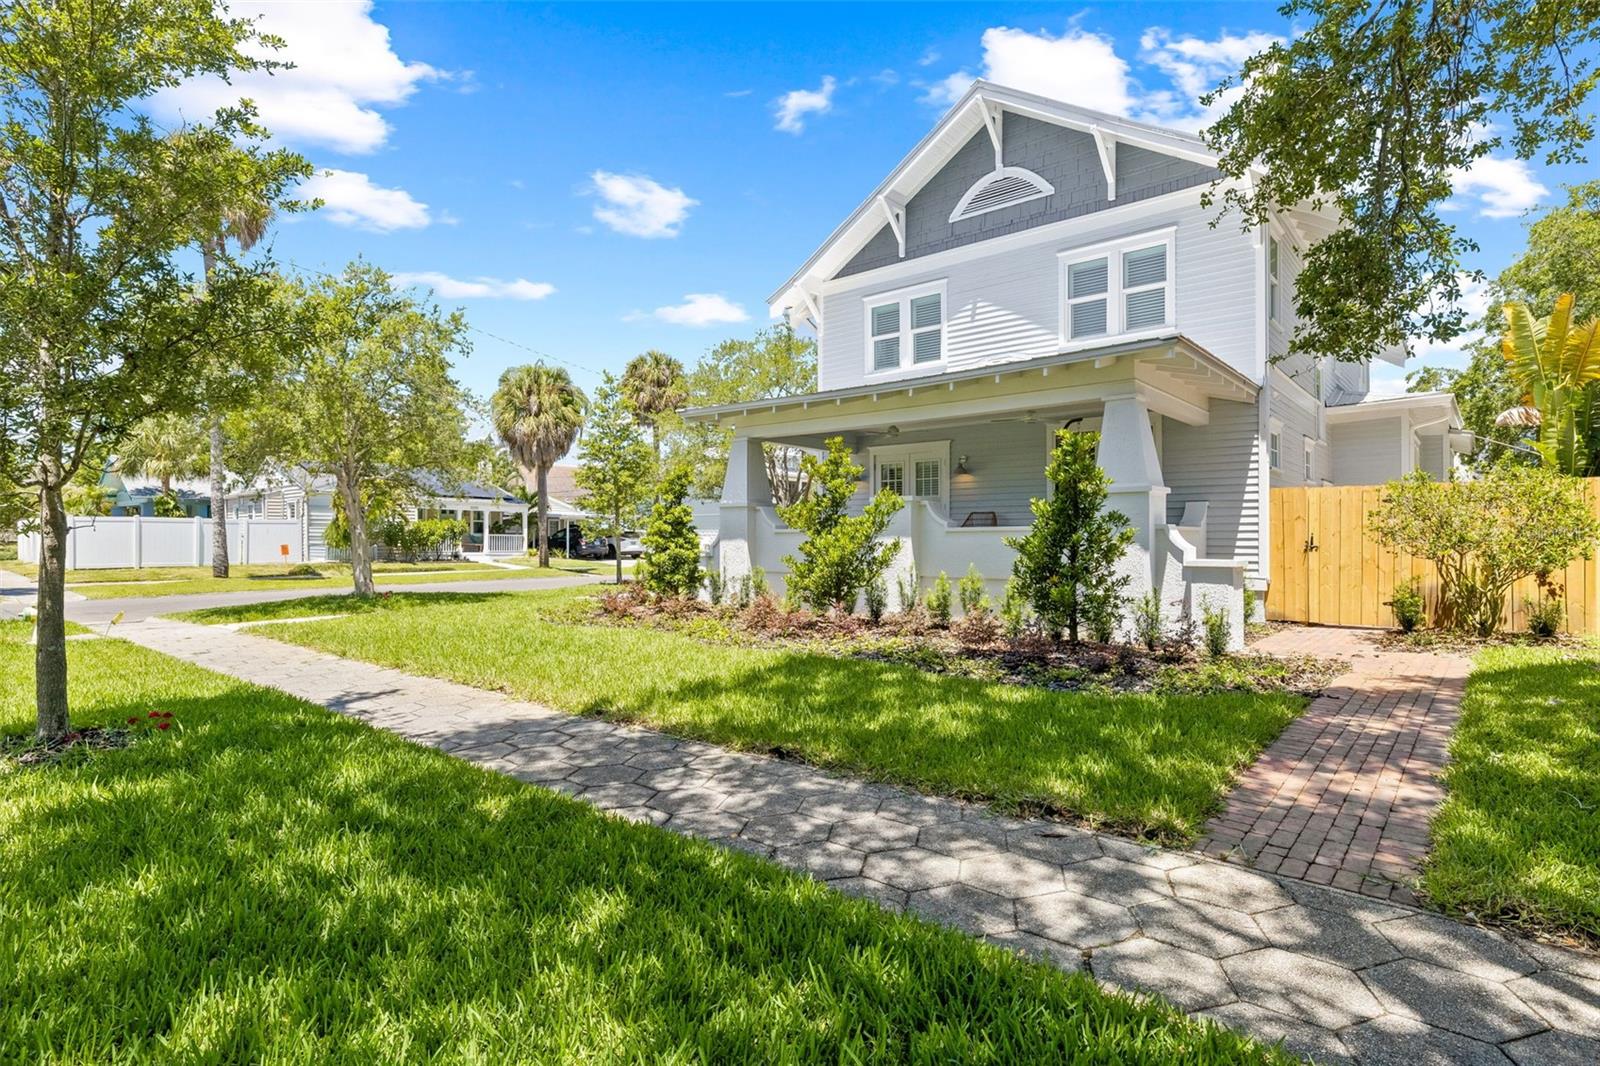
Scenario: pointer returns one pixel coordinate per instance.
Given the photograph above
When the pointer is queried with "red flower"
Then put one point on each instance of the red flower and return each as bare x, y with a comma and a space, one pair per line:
166, 714
153, 714
163, 725
132, 721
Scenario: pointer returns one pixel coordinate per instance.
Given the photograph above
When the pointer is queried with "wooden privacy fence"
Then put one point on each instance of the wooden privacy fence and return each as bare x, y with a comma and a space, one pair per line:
1328, 570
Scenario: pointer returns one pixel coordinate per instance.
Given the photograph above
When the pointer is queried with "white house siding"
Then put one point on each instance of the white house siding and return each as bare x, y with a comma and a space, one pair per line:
319, 514
1216, 463
1007, 306
1369, 452
1287, 404
1432, 455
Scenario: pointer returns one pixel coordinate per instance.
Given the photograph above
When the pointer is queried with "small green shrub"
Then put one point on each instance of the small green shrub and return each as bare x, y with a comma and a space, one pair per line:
671, 561
1546, 616
1408, 605
1013, 611
910, 588
841, 554
939, 600
1218, 629
877, 599
1147, 620
714, 587
970, 590
1100, 617
1249, 605
757, 582
302, 570
167, 505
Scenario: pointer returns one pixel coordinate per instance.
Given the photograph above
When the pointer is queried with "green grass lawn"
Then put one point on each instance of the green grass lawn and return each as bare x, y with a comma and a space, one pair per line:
188, 580
1518, 837
1150, 765
270, 882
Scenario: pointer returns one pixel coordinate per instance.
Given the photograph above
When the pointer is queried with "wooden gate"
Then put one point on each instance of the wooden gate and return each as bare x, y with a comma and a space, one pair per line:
1328, 570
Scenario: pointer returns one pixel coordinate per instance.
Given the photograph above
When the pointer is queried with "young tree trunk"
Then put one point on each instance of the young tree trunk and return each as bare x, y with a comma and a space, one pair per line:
360, 549
544, 525
50, 652
616, 524
219, 519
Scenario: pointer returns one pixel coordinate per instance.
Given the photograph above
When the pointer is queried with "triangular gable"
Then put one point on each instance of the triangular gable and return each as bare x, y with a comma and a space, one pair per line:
970, 142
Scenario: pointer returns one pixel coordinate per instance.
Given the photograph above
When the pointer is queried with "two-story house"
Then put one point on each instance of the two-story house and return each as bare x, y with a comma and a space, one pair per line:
1032, 265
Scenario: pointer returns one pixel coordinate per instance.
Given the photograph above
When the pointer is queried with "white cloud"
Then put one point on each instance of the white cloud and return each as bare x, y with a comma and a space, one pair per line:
480, 288
639, 206
734, 94
1077, 67
1502, 187
1194, 66
1475, 302
351, 199
792, 108
344, 70
928, 58
698, 309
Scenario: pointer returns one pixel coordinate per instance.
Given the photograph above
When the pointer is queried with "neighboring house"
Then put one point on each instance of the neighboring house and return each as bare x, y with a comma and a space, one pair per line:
1032, 265
497, 522
132, 495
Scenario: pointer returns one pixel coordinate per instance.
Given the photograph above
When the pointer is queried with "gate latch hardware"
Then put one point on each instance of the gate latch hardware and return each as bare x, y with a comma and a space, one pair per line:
1311, 543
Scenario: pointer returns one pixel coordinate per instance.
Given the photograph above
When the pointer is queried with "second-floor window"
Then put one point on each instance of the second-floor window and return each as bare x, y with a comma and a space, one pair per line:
905, 329
1272, 278
1111, 289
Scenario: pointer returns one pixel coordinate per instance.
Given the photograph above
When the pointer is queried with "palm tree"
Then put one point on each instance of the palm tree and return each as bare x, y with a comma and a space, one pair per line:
163, 447
538, 413
245, 225
655, 384
1556, 364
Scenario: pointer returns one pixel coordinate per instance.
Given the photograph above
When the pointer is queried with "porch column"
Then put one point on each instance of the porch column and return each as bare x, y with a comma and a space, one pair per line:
1128, 456
524, 530
744, 489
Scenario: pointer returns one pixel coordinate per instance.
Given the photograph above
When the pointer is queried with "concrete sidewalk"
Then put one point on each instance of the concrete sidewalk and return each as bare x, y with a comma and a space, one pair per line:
1335, 975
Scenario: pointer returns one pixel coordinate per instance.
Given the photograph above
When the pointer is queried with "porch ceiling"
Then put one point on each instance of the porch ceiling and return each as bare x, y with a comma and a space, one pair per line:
1172, 374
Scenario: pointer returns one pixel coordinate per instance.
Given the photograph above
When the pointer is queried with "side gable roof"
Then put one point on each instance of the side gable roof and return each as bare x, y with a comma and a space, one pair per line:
983, 107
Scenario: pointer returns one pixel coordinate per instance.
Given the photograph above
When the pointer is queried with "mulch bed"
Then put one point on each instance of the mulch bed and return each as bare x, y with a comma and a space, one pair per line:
972, 647
27, 750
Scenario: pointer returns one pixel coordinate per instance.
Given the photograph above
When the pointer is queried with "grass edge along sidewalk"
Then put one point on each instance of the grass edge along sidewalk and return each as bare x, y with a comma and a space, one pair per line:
380, 901
1152, 766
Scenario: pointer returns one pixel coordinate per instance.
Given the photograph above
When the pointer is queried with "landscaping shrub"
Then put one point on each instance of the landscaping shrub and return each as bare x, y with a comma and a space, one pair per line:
1066, 564
1218, 629
1101, 620
1249, 605
166, 505
939, 600
1013, 611
877, 597
302, 570
979, 629
971, 592
910, 588
1486, 534
1147, 620
714, 588
671, 558
1407, 603
841, 554
1546, 616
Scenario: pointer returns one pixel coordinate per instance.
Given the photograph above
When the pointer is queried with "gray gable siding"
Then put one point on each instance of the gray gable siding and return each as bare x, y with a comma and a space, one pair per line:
1067, 159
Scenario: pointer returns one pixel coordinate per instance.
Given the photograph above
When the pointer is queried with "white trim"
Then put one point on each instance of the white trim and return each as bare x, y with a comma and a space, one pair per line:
909, 455
1106, 145
1114, 252
906, 334
1041, 189
1049, 233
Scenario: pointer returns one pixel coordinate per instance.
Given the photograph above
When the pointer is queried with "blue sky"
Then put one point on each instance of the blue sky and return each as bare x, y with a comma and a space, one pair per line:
592, 180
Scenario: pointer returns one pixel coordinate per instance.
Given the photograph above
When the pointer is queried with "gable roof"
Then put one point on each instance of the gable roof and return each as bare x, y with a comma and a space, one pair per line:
981, 108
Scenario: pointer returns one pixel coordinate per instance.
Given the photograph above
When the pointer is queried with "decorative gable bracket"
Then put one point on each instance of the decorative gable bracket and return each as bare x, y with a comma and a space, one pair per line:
894, 209
1106, 145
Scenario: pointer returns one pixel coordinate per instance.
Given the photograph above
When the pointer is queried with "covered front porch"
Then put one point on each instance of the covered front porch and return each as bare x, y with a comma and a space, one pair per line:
495, 526
968, 454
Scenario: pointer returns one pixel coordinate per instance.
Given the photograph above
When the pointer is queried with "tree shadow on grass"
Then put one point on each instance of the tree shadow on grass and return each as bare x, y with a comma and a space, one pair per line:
277, 881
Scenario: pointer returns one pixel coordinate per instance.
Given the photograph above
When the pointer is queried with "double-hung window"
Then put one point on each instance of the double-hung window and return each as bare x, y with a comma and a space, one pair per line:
905, 329
1311, 459
1120, 287
1275, 449
1272, 278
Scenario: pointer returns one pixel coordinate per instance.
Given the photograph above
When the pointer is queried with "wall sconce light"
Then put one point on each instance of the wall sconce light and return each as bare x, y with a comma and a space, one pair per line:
961, 465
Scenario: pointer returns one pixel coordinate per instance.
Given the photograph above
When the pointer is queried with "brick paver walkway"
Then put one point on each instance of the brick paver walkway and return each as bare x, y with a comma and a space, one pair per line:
1344, 796
1336, 975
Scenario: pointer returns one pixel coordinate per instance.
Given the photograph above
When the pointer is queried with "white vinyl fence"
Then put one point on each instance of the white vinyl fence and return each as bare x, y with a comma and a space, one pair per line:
99, 543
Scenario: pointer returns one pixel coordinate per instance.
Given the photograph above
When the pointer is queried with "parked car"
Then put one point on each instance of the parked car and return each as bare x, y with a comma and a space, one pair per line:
590, 548
632, 544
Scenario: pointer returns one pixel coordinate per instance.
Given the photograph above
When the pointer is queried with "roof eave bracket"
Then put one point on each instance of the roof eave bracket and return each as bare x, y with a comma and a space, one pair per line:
993, 121
894, 210
1106, 145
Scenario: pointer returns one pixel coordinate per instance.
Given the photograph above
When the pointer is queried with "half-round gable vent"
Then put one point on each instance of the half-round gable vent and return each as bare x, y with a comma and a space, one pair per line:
1002, 187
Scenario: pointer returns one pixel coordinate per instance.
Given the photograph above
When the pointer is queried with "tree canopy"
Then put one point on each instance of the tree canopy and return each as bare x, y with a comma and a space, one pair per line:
618, 468
100, 324
538, 413
1375, 109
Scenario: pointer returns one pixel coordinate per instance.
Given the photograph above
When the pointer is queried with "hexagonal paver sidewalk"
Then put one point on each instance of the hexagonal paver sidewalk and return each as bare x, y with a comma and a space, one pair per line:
1338, 977
1345, 794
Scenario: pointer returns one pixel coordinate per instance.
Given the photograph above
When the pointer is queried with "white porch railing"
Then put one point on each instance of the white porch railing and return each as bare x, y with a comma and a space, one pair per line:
506, 544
